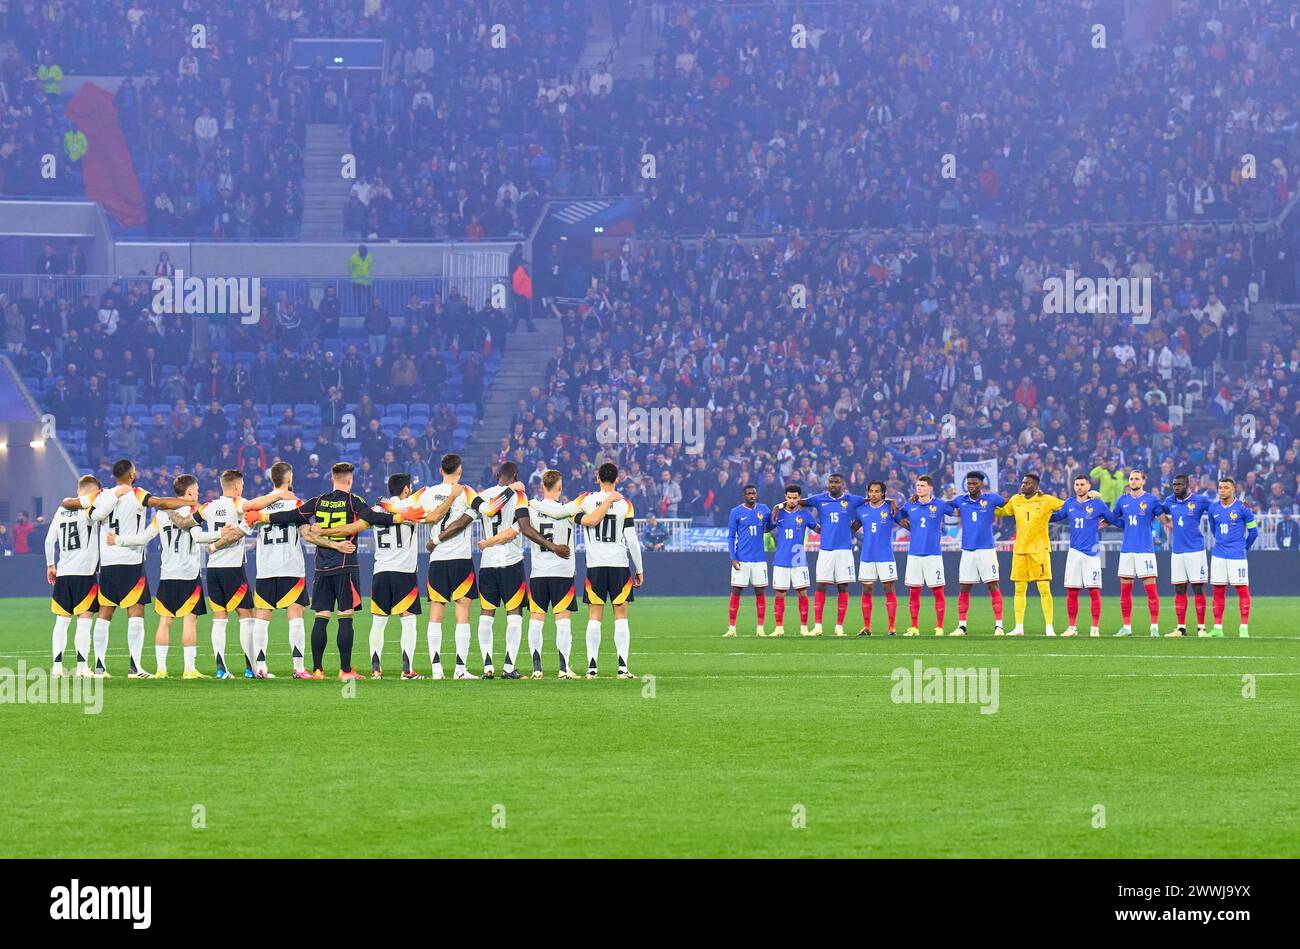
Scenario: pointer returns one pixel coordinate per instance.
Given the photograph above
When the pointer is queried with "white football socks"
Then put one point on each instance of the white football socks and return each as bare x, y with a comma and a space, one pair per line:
298, 643
191, 653
82, 640
514, 635
135, 639
593, 642
246, 640
535, 641
219, 641
377, 624
261, 640
409, 634
485, 638
462, 645
563, 641
101, 644
433, 635
622, 640
61, 624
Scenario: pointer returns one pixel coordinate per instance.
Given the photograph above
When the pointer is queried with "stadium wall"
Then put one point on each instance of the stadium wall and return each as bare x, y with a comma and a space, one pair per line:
276, 259
1272, 573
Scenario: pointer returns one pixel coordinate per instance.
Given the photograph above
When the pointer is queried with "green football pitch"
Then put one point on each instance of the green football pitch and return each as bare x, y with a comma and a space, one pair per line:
722, 747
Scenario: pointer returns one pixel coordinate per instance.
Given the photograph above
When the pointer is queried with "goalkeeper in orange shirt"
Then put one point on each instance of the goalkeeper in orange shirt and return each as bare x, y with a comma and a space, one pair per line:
1031, 556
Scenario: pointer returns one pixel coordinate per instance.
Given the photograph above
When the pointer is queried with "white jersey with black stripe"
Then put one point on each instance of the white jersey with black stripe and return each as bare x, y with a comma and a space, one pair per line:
279, 546
606, 544
500, 507
395, 546
217, 514
74, 532
554, 521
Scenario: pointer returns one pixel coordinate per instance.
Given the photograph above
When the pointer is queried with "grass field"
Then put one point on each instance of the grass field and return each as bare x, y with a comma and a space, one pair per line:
742, 740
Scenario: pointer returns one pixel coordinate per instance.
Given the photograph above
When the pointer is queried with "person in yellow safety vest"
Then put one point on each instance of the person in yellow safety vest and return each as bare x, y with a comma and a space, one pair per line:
74, 143
359, 266
51, 74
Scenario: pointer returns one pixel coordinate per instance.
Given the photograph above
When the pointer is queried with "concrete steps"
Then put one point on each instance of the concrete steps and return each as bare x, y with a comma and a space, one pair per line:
325, 190
523, 365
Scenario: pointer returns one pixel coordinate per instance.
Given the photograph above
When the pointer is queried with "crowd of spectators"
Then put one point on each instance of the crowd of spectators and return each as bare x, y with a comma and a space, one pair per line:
841, 118
124, 381
911, 354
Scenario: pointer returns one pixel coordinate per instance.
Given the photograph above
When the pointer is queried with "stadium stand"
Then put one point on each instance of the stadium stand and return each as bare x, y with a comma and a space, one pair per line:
921, 343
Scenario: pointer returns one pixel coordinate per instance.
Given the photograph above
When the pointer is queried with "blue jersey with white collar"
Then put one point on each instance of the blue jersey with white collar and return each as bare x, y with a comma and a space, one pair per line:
977, 519
1233, 528
1137, 515
877, 532
1084, 518
745, 529
790, 528
1185, 534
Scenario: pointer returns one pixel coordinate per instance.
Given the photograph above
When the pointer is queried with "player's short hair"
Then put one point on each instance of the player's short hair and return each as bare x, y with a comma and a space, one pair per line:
183, 483
230, 475
749, 486
836, 474
122, 467
342, 469
1032, 474
1226, 480
872, 484
794, 489
88, 479
1133, 471
509, 470
398, 483
1184, 475
550, 478
927, 479
450, 462
607, 473
977, 474
279, 471
1083, 477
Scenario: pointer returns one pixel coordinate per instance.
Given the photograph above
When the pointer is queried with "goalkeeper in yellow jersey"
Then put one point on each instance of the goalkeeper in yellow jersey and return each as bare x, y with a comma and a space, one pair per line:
1031, 556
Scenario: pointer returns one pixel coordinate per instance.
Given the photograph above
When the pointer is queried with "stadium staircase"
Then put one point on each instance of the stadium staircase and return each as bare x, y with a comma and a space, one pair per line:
523, 365
637, 47
325, 190
600, 45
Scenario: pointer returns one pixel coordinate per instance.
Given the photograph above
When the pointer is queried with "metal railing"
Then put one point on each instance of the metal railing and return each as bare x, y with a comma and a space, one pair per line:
394, 293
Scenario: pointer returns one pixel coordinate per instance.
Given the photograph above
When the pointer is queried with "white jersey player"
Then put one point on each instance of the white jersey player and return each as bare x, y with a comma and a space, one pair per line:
451, 567
611, 542
506, 522
180, 591
550, 580
75, 590
123, 508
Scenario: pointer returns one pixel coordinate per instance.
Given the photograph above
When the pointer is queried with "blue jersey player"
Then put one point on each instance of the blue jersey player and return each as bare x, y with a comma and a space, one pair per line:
1084, 513
747, 528
791, 522
1187, 565
923, 516
1137, 508
979, 558
835, 508
1233, 527
875, 518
